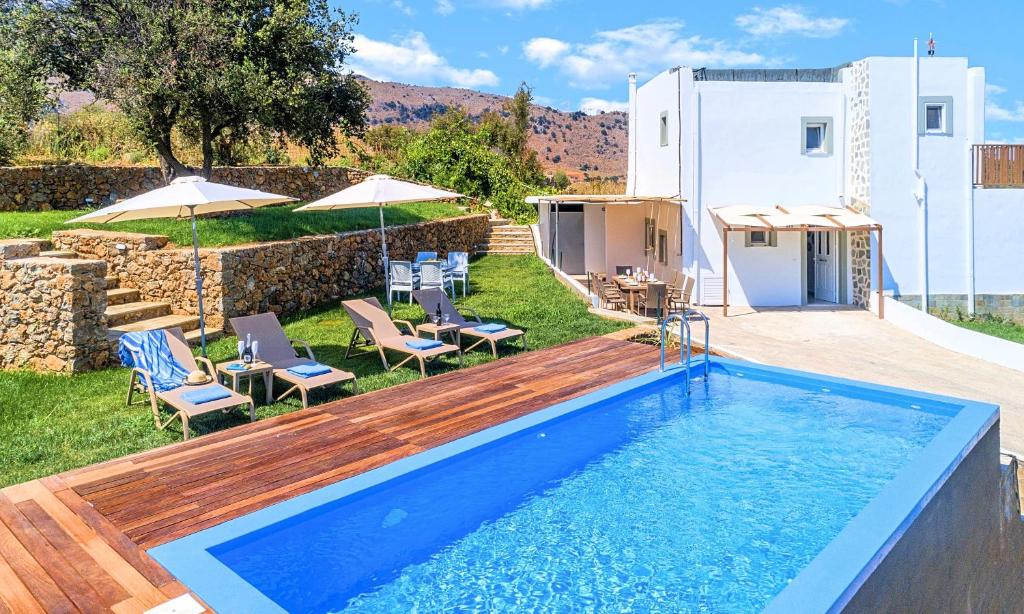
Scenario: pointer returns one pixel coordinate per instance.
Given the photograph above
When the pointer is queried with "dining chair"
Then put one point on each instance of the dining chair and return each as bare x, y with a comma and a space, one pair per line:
458, 269
654, 297
401, 278
432, 275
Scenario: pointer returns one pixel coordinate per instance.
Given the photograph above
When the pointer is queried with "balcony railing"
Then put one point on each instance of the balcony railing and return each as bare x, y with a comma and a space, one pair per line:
999, 166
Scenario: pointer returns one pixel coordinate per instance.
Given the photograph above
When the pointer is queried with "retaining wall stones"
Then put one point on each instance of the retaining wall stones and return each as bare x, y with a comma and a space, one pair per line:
52, 314
74, 186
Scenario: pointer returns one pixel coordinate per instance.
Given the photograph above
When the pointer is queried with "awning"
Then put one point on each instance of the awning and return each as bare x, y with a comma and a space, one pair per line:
806, 217
601, 199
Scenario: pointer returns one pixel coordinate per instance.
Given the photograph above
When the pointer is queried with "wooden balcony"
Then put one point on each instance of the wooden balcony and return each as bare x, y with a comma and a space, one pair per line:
999, 166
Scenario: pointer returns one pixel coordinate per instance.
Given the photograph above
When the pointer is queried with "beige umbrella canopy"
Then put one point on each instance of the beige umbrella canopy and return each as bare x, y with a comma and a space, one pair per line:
380, 191
185, 197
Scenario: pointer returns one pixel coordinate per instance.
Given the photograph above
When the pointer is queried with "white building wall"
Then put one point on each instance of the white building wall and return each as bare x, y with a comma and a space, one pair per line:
999, 241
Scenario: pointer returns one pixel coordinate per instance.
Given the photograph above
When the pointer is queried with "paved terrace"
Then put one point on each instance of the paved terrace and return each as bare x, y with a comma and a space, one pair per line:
76, 542
856, 344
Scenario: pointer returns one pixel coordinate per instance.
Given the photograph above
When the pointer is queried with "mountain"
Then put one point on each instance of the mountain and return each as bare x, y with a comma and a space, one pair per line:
576, 143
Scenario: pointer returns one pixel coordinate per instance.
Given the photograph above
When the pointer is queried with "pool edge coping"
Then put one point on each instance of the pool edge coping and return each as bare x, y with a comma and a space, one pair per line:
189, 560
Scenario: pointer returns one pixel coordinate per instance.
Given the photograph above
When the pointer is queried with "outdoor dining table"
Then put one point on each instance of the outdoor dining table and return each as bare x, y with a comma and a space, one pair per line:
631, 288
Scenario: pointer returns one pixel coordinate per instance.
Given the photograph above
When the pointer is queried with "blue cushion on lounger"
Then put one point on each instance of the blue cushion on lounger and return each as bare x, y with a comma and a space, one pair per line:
205, 395
491, 328
424, 344
309, 370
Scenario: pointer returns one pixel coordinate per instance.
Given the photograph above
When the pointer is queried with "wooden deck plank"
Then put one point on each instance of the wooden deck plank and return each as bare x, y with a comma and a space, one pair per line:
77, 541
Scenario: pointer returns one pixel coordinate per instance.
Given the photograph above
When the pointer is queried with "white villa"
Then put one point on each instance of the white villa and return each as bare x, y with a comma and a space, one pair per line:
900, 141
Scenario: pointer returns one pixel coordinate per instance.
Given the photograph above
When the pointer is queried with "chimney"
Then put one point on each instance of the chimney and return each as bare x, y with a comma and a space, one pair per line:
631, 160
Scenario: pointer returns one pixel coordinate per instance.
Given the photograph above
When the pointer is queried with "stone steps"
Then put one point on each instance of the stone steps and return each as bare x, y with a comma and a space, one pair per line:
112, 282
57, 253
120, 296
505, 245
505, 238
129, 313
188, 324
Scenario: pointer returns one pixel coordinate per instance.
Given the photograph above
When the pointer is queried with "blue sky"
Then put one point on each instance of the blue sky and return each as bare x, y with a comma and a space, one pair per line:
576, 53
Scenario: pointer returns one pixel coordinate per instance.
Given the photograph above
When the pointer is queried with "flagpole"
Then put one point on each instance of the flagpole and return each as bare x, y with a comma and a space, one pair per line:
199, 279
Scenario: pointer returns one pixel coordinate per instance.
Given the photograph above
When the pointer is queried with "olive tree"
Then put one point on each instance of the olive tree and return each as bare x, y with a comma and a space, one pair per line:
23, 92
212, 70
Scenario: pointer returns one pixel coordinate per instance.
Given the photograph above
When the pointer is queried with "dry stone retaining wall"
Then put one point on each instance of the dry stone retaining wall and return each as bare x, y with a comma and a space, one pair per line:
74, 186
52, 314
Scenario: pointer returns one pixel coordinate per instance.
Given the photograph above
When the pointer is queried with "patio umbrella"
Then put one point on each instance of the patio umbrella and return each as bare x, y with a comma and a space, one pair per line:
185, 197
380, 191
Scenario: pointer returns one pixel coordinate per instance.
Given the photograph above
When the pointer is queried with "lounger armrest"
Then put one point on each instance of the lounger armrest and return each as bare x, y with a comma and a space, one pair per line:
206, 362
412, 329
309, 350
146, 378
475, 315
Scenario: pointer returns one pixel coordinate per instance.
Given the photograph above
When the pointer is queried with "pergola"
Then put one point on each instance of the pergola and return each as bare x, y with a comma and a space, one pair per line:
807, 218
602, 199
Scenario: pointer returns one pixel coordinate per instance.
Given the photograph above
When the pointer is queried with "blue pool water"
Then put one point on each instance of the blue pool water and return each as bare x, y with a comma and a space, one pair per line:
649, 501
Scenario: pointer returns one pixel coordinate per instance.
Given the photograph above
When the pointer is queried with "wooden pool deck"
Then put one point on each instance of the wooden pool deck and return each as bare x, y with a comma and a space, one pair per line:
77, 541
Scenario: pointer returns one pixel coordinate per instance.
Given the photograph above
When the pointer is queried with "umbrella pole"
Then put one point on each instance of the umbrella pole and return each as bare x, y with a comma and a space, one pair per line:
384, 245
199, 280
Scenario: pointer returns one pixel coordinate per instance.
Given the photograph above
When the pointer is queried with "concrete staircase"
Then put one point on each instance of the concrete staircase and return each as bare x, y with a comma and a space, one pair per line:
506, 239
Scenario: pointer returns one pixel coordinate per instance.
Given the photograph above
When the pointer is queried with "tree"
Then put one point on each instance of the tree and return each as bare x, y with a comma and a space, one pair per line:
23, 92
510, 133
560, 180
215, 72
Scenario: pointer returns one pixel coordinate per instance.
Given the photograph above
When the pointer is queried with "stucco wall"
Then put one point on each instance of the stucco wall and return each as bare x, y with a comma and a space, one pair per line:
74, 186
961, 554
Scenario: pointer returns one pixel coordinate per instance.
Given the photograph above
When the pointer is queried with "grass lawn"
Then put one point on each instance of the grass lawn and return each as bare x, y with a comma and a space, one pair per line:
995, 328
265, 224
51, 423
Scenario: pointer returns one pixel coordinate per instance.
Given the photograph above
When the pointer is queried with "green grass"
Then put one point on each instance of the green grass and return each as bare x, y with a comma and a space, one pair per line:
996, 328
265, 224
52, 423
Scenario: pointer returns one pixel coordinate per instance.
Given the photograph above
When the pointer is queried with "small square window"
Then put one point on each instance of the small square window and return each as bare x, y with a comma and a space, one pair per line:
663, 129
815, 138
935, 118
761, 238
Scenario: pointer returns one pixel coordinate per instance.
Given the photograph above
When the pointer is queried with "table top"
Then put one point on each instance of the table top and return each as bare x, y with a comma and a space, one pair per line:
431, 327
256, 367
623, 283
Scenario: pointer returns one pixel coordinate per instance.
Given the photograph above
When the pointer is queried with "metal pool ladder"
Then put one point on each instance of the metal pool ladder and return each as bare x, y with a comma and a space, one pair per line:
685, 350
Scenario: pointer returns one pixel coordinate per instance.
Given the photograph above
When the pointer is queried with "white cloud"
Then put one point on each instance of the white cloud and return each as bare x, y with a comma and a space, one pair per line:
782, 20
503, 50
403, 7
992, 88
642, 48
544, 51
411, 60
593, 106
999, 113
444, 7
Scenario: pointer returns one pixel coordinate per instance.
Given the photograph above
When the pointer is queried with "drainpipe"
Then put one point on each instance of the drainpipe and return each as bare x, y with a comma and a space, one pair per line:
969, 196
631, 162
697, 205
920, 190
679, 158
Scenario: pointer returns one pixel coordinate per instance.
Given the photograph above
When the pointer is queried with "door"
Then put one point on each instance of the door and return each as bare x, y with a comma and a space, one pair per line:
825, 253
568, 234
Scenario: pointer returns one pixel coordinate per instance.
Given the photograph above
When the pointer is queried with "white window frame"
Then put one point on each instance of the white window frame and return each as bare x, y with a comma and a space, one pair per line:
941, 129
825, 148
771, 238
925, 102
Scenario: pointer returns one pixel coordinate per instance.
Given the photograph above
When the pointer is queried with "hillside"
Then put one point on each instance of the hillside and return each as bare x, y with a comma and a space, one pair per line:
574, 142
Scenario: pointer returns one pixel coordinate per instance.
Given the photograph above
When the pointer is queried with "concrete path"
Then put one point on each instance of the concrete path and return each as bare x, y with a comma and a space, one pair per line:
856, 344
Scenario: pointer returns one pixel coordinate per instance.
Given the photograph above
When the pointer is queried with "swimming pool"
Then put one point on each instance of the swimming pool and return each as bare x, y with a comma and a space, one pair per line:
764, 487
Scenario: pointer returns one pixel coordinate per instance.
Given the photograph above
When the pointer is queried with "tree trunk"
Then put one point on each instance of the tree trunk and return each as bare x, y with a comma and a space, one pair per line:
207, 152
170, 167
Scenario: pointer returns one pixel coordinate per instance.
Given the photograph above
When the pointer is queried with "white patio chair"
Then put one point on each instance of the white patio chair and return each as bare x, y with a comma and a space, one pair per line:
401, 279
458, 263
432, 275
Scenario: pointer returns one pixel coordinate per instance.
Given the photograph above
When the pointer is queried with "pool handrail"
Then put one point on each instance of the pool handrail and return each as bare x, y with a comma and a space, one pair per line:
707, 336
686, 350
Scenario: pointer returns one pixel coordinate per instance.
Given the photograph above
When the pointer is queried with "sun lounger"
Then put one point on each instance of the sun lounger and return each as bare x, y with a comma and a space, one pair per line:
489, 333
155, 373
376, 325
277, 350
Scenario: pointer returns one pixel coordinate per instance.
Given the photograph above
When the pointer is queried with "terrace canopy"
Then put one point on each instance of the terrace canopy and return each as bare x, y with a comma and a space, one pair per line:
807, 218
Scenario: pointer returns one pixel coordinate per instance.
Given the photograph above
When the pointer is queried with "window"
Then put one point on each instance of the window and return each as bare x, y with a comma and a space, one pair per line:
662, 247
650, 231
761, 238
663, 129
816, 139
935, 115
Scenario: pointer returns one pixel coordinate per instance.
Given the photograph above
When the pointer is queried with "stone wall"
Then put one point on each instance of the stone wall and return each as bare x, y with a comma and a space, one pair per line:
280, 276
52, 314
74, 186
858, 175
